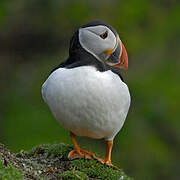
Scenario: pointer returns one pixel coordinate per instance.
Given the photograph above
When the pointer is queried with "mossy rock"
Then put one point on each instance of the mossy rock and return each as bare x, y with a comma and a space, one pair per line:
93, 169
8, 172
49, 161
74, 175
52, 151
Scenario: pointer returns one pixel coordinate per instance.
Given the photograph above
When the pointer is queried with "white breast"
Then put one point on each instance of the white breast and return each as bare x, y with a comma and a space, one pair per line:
86, 101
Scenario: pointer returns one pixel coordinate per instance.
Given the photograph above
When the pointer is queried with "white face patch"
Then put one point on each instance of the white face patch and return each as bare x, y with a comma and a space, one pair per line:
91, 41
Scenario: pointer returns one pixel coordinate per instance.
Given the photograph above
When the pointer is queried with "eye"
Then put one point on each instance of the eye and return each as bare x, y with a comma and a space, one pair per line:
104, 35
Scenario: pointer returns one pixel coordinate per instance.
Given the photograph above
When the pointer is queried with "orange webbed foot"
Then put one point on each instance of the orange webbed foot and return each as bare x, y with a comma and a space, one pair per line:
77, 152
80, 153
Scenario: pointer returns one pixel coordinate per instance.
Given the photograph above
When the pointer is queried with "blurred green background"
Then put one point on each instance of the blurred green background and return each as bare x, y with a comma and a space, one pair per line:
34, 38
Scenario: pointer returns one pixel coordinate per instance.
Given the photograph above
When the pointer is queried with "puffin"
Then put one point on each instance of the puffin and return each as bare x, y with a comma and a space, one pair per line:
86, 93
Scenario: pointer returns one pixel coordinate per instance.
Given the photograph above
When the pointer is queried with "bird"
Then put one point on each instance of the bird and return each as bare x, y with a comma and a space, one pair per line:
86, 93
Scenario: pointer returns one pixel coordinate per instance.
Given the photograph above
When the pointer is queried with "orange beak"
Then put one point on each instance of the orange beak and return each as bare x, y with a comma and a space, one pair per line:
123, 64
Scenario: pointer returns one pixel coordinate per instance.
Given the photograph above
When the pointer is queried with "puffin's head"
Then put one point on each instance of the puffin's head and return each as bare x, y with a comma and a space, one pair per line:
103, 42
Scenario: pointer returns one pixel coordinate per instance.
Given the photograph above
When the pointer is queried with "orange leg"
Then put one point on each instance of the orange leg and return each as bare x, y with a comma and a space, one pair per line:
77, 152
108, 154
107, 160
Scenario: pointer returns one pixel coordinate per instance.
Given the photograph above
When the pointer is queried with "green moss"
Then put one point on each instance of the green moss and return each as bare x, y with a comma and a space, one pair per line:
94, 169
51, 151
51, 162
40, 149
59, 150
80, 168
1, 164
73, 175
9, 172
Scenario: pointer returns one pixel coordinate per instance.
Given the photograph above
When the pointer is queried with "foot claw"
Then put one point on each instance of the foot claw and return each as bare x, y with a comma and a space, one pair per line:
74, 154
79, 153
106, 162
87, 152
